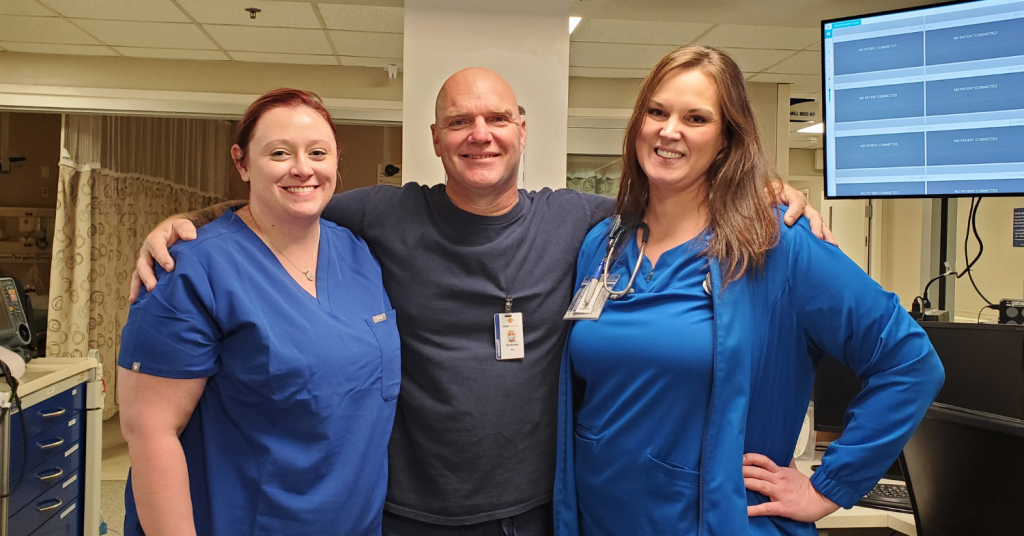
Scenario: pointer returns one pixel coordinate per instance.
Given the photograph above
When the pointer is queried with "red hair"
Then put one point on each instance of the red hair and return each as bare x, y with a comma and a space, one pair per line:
278, 98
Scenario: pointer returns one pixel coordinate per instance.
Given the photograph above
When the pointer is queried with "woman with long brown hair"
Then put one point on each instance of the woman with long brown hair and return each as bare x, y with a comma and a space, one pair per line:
681, 403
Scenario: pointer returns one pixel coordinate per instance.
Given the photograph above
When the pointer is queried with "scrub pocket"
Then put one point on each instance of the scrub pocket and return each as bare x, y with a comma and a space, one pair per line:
673, 498
386, 332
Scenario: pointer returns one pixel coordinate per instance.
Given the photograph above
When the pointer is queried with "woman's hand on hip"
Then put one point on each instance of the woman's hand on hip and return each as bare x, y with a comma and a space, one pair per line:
791, 493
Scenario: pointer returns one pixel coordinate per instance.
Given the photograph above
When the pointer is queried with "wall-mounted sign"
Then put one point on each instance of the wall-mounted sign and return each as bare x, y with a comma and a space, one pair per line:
804, 111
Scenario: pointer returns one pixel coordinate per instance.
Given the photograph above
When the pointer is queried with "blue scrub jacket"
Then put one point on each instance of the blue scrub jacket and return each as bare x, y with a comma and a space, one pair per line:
771, 327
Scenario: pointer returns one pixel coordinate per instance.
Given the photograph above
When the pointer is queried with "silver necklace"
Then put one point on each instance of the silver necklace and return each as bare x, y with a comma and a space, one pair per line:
308, 272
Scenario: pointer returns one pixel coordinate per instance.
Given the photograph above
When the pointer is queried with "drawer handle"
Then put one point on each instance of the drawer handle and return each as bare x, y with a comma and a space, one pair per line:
53, 445
52, 506
57, 413
57, 473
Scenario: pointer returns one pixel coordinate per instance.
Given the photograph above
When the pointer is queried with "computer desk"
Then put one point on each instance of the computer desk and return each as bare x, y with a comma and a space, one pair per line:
859, 517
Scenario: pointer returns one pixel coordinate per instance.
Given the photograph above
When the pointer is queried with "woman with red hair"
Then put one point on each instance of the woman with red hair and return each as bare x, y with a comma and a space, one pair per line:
258, 379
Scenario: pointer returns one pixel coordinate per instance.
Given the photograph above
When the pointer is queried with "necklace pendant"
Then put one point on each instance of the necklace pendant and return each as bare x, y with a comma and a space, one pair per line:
309, 275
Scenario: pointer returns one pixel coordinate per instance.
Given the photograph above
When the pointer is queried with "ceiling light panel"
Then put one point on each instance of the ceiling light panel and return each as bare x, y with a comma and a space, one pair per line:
292, 59
363, 18
49, 48
741, 36
24, 7
38, 29
368, 45
638, 32
274, 40
147, 34
172, 53
135, 10
279, 14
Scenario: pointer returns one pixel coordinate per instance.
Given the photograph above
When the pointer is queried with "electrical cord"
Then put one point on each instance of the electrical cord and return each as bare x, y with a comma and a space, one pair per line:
12, 382
983, 310
972, 226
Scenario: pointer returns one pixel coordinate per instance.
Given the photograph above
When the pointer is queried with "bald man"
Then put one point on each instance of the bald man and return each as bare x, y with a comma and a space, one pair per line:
472, 451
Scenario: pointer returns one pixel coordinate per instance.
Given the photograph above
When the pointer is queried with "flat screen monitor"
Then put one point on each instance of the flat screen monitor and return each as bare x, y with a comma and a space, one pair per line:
964, 471
925, 102
984, 366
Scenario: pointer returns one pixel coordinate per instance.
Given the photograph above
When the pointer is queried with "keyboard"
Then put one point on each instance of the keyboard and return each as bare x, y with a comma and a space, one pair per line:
893, 497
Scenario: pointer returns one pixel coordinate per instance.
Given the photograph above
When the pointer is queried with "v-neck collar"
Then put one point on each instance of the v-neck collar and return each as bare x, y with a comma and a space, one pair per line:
322, 263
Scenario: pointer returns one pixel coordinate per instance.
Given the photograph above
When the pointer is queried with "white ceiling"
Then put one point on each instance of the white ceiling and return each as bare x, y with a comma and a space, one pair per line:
315, 33
775, 41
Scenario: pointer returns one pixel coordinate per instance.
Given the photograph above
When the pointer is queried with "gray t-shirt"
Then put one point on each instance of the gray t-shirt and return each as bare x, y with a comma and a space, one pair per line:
474, 437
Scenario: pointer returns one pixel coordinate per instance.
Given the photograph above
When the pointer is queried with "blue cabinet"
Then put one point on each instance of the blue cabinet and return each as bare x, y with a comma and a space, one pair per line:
52, 452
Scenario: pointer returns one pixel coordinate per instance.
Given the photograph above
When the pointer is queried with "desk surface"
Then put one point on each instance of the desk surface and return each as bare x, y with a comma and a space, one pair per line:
858, 516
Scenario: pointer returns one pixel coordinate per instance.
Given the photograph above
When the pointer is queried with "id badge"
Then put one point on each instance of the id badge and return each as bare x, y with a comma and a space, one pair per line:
509, 341
589, 300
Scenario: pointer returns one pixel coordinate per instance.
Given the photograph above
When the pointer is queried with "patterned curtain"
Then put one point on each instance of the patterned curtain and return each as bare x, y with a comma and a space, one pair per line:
594, 174
119, 177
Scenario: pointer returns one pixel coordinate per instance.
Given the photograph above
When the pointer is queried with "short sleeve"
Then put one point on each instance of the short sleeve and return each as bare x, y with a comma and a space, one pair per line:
172, 332
598, 207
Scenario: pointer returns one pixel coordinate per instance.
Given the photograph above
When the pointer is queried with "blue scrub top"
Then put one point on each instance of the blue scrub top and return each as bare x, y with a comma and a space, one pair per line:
643, 370
290, 435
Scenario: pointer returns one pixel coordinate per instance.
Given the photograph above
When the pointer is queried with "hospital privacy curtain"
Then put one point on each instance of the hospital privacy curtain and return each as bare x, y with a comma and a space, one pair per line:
119, 177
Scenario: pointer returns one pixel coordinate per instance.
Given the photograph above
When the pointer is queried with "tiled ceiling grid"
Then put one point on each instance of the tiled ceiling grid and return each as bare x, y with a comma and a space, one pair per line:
334, 33
328, 33
314, 33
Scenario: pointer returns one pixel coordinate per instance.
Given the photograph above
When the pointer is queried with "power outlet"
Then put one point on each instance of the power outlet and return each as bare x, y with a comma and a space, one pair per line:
46, 191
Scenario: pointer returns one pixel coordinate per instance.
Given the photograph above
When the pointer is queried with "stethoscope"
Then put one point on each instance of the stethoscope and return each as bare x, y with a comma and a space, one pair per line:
617, 231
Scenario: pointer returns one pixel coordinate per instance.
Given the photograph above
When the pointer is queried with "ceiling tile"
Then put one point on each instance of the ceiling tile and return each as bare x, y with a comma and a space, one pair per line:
267, 57
43, 29
172, 53
801, 82
363, 18
279, 14
615, 55
753, 60
136, 10
367, 45
275, 40
739, 36
24, 7
368, 62
48, 48
638, 32
800, 63
604, 72
147, 34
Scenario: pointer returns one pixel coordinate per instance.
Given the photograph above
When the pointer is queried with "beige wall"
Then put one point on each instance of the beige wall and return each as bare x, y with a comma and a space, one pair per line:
37, 138
1000, 271
614, 93
333, 81
362, 149
901, 247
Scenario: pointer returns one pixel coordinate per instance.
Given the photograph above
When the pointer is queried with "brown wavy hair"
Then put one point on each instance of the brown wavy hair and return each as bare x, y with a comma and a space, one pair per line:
742, 222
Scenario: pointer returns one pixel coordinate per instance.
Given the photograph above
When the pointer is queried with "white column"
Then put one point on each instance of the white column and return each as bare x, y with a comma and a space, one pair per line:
526, 42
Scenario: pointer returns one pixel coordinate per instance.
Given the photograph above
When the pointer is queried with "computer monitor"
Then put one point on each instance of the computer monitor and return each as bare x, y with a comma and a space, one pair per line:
984, 372
984, 366
925, 102
964, 471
